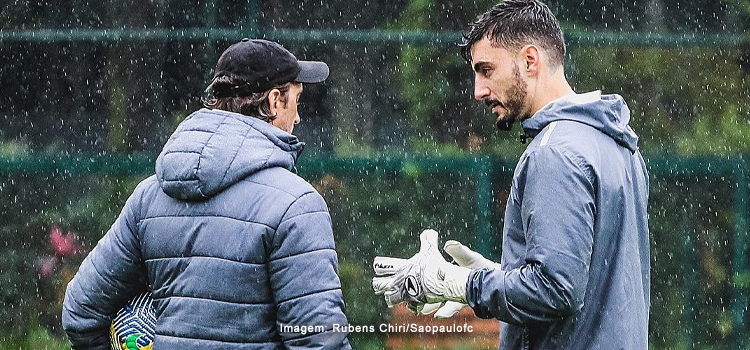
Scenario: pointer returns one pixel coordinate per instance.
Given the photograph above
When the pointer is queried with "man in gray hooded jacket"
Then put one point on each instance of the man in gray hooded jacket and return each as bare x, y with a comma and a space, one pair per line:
237, 250
575, 255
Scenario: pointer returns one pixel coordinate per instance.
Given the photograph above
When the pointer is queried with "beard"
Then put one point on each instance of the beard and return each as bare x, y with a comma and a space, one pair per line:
514, 104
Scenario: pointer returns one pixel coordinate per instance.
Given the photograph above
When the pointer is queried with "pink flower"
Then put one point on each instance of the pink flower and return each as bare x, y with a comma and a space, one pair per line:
64, 245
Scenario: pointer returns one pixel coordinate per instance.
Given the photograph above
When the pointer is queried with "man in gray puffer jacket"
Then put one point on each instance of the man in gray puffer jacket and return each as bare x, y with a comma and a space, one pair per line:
237, 250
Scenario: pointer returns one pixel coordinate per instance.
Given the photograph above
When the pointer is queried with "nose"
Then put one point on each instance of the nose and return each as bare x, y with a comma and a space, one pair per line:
480, 89
297, 119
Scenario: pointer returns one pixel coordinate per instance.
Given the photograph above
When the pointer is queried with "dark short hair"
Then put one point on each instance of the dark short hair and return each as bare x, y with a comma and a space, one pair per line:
512, 24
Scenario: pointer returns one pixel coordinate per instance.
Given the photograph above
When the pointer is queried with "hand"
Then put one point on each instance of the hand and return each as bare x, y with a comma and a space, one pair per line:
392, 273
467, 258
385, 266
424, 278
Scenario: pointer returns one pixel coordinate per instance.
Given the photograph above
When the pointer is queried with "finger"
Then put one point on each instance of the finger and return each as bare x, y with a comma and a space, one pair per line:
418, 308
382, 284
449, 309
428, 240
466, 257
427, 309
460, 253
385, 266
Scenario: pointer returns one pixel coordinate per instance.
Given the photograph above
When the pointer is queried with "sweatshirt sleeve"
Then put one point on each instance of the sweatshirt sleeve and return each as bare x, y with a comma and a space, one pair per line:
557, 211
303, 268
111, 274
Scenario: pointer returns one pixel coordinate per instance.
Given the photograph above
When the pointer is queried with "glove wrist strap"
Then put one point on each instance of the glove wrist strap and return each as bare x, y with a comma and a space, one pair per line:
455, 283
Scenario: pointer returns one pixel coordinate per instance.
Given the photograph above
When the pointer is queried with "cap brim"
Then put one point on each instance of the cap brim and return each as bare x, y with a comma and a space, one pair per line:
312, 72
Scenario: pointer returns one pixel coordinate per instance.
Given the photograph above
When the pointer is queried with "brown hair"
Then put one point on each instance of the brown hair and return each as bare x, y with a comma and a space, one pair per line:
253, 105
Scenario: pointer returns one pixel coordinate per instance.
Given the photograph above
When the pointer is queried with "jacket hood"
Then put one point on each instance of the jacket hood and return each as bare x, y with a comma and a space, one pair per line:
607, 113
213, 149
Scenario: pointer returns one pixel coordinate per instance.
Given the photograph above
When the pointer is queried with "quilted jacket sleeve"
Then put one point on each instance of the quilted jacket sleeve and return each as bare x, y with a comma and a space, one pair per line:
303, 270
557, 210
111, 274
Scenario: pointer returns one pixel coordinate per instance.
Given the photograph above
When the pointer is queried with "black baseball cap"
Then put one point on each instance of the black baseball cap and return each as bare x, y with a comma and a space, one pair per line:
259, 65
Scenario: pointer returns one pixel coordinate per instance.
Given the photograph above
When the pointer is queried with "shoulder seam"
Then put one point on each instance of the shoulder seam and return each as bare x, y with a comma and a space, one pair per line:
277, 188
303, 214
578, 160
276, 229
290, 206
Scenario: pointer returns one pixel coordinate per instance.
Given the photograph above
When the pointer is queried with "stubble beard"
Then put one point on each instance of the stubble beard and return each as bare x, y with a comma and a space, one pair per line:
514, 104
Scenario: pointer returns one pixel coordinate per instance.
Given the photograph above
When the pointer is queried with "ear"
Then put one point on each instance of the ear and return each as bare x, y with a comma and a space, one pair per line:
532, 59
274, 98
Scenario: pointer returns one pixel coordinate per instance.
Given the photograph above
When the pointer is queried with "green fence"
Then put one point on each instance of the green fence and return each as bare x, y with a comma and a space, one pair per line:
489, 174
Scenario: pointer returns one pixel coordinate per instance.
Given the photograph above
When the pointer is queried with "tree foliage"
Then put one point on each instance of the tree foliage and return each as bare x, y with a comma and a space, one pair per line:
98, 96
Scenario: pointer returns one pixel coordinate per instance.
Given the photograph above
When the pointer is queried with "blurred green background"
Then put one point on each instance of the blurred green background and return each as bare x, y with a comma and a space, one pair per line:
92, 90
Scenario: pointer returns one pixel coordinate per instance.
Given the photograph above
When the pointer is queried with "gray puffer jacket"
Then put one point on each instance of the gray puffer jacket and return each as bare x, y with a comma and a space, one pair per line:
233, 244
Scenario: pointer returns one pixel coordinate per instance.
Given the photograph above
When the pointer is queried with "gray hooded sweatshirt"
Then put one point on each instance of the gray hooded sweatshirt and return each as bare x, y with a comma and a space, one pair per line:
237, 249
575, 261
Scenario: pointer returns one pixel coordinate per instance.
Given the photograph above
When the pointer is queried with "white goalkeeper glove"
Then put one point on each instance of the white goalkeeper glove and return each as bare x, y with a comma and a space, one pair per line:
425, 278
385, 266
467, 258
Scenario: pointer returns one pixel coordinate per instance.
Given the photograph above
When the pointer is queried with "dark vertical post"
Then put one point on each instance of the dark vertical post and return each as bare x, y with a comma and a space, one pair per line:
209, 50
739, 265
484, 237
252, 18
690, 271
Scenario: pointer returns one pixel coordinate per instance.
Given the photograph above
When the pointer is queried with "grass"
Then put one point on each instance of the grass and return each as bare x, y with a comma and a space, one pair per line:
37, 339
